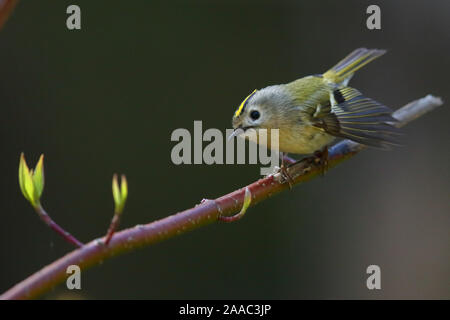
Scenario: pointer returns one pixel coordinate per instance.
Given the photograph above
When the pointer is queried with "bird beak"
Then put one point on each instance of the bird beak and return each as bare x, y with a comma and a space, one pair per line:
235, 133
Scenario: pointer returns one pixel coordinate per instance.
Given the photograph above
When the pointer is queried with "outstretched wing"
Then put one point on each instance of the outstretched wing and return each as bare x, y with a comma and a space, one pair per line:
353, 116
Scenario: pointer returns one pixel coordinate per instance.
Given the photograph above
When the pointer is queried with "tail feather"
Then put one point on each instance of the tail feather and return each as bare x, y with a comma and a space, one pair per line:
345, 68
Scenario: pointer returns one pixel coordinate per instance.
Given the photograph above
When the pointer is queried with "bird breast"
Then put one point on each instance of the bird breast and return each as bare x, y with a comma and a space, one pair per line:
304, 140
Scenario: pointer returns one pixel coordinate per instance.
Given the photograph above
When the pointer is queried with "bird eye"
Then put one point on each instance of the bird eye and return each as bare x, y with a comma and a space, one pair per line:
254, 115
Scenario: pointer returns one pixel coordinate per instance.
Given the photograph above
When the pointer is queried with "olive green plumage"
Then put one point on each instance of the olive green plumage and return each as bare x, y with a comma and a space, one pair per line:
312, 111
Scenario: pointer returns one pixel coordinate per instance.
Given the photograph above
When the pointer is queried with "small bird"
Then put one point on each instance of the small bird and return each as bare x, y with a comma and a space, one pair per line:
312, 111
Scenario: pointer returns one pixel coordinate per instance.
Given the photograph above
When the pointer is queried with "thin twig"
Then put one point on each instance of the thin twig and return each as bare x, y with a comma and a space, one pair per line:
54, 226
203, 214
112, 228
6, 8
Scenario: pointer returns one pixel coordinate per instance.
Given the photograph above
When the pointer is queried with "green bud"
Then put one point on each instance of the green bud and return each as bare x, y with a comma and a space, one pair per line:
247, 201
38, 177
119, 194
31, 182
115, 191
124, 188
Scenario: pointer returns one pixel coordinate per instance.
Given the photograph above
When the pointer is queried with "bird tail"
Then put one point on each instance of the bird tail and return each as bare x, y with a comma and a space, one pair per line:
345, 68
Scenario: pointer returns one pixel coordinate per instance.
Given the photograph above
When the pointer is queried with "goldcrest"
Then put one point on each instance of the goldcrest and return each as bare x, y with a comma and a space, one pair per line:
313, 111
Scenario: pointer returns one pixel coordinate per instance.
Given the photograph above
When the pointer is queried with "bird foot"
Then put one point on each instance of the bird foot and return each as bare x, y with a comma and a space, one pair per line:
286, 177
321, 159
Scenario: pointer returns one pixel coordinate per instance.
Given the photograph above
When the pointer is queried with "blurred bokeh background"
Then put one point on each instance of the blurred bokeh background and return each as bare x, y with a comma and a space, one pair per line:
106, 99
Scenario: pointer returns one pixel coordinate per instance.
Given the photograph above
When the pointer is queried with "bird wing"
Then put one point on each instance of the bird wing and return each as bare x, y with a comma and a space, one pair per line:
351, 115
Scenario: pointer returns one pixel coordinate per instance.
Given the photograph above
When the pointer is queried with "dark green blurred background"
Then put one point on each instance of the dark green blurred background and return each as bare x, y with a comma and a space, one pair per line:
106, 99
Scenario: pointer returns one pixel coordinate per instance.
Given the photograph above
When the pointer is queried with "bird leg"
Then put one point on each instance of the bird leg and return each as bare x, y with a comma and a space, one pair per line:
285, 173
321, 158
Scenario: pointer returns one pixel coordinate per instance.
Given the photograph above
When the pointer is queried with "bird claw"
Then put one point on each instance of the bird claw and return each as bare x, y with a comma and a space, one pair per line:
286, 176
321, 159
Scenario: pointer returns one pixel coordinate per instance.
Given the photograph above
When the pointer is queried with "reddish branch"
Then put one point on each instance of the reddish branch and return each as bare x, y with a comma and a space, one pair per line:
205, 213
6, 8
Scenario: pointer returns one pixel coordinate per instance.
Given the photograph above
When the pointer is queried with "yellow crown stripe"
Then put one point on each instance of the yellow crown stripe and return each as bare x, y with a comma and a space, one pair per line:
242, 105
